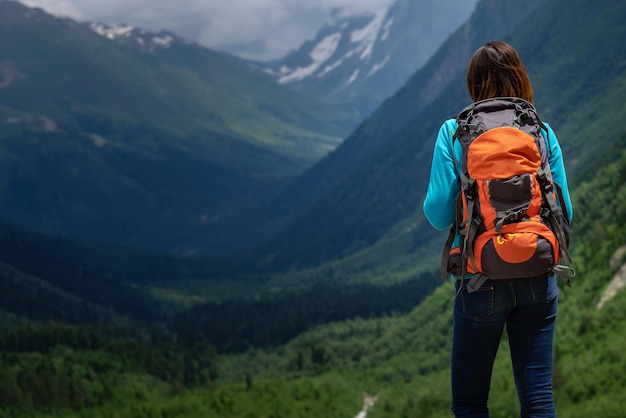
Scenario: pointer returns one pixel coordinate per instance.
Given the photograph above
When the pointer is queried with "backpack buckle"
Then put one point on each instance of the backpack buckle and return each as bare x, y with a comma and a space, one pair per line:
470, 190
542, 176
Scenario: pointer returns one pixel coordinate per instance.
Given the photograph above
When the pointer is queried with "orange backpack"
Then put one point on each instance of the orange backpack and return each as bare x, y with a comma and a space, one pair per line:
510, 214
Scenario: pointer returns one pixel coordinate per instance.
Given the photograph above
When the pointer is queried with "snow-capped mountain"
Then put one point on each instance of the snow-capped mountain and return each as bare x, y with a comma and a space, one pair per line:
361, 60
339, 41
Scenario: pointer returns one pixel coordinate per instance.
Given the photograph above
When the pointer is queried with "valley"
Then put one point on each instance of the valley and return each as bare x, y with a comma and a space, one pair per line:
187, 237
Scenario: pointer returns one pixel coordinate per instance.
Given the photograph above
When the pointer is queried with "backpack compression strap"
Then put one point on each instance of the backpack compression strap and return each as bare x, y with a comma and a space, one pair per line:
466, 229
474, 221
448, 245
556, 211
553, 214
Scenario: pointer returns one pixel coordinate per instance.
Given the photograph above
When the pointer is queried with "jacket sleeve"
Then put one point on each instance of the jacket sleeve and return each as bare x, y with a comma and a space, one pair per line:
443, 187
558, 169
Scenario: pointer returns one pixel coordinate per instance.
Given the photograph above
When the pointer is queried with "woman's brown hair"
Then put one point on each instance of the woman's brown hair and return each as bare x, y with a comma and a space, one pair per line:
496, 70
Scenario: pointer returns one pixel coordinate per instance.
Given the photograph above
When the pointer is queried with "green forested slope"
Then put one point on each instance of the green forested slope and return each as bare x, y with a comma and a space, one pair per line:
404, 359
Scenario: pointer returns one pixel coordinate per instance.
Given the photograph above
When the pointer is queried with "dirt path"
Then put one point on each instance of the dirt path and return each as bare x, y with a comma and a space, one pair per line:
619, 280
368, 403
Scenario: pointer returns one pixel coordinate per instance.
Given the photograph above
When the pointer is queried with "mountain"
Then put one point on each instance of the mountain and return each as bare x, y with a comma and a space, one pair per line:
119, 135
354, 196
360, 60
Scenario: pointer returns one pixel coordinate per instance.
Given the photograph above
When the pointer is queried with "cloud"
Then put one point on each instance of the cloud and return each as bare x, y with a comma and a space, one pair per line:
257, 29
62, 7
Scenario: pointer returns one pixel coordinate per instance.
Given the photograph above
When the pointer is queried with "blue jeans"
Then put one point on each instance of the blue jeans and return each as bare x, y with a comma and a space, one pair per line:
528, 309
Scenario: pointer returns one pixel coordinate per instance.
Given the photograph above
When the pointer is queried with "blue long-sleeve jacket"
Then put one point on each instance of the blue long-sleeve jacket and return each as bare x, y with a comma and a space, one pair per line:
439, 205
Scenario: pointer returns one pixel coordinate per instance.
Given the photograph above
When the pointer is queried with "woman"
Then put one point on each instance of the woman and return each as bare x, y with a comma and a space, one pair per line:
526, 307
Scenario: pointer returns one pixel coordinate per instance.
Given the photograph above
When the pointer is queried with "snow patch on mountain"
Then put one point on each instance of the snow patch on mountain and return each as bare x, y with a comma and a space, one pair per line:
322, 52
112, 31
163, 41
142, 37
366, 37
378, 66
354, 76
330, 67
387, 29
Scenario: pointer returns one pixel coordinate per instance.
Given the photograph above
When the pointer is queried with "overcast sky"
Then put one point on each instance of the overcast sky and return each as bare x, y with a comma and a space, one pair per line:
256, 29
